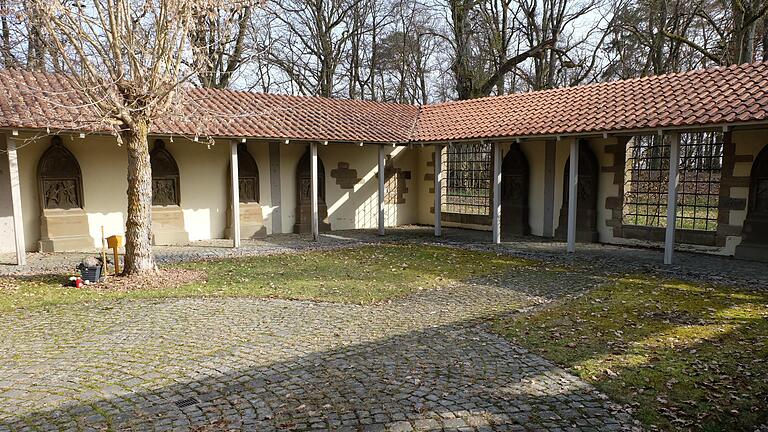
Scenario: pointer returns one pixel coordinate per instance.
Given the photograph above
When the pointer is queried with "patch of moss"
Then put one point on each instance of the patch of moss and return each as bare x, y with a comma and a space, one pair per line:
685, 356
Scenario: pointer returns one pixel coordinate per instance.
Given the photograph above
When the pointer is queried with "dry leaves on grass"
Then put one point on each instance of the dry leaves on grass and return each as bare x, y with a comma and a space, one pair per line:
163, 279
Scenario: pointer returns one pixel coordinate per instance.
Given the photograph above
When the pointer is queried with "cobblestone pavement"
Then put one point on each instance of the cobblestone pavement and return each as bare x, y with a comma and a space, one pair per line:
426, 362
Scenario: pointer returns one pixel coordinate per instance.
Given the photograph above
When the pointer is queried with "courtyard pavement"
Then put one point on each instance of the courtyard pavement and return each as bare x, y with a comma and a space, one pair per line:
426, 362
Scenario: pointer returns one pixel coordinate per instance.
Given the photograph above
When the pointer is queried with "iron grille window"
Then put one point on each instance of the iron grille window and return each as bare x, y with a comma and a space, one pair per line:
467, 174
698, 196
647, 177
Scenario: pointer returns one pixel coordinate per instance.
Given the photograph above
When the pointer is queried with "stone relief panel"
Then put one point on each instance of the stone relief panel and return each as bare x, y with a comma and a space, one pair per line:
248, 175
165, 176
59, 178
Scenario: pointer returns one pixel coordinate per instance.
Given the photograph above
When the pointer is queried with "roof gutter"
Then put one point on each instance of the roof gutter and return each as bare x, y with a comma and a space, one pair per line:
725, 127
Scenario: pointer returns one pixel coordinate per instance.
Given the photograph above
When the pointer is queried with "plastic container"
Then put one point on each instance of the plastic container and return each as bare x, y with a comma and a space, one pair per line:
91, 274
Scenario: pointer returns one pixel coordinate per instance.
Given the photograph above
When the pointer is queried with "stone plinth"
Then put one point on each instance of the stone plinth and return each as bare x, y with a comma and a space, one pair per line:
168, 226
754, 243
64, 230
251, 222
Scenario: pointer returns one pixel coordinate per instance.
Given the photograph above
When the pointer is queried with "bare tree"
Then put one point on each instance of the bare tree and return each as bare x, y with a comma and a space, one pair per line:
734, 23
314, 41
475, 75
126, 58
219, 41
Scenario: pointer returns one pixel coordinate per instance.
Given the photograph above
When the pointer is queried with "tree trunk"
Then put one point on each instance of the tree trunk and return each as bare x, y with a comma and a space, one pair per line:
765, 38
138, 249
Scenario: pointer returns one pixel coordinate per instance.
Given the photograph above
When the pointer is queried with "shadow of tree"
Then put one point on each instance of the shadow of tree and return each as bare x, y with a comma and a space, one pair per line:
443, 376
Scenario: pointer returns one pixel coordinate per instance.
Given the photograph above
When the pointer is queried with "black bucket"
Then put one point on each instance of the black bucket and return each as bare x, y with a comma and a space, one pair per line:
90, 274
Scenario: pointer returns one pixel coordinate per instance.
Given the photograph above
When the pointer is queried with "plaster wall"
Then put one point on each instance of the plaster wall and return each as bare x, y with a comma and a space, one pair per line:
7, 242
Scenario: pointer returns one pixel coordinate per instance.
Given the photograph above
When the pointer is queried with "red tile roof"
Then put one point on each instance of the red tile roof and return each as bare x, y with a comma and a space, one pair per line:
701, 97
33, 100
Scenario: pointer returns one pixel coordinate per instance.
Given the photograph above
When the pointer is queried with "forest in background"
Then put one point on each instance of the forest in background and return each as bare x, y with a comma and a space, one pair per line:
422, 51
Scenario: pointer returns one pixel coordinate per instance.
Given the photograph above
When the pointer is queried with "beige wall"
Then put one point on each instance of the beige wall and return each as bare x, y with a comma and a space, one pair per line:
104, 169
7, 242
347, 208
204, 185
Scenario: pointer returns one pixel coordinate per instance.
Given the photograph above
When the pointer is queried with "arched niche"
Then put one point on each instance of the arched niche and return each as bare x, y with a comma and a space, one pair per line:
248, 175
515, 178
165, 176
63, 222
59, 178
586, 205
754, 236
303, 196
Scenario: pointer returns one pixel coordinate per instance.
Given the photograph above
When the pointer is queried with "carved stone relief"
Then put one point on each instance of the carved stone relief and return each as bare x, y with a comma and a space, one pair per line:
59, 178
248, 175
304, 196
165, 176
586, 213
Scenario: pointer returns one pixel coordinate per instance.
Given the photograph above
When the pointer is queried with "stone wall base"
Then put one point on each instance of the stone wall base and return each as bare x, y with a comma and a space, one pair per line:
64, 231
168, 226
752, 252
251, 222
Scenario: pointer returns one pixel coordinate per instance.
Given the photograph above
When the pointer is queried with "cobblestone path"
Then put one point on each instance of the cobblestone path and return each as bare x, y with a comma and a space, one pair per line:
422, 363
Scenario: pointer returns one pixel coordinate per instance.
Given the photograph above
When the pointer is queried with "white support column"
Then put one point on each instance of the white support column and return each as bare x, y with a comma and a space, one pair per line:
497, 193
235, 182
18, 219
381, 189
438, 189
573, 194
313, 173
674, 161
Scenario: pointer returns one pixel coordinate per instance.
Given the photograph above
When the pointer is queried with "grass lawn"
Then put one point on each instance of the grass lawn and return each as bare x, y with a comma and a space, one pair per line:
685, 356
360, 275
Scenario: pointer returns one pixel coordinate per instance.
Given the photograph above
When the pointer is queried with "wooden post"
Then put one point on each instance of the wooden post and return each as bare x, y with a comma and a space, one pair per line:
18, 219
674, 161
573, 194
497, 193
313, 173
381, 189
438, 189
103, 253
235, 182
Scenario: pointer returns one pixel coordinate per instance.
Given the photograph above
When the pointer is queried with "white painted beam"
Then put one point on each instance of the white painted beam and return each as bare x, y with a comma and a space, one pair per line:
313, 193
438, 189
235, 182
381, 189
18, 218
573, 195
496, 193
674, 180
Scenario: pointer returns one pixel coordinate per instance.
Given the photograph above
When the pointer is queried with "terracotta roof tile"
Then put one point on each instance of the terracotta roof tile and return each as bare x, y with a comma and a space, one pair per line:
737, 93
701, 97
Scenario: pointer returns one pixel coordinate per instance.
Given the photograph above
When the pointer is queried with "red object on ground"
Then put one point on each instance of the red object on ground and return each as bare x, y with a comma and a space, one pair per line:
78, 283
